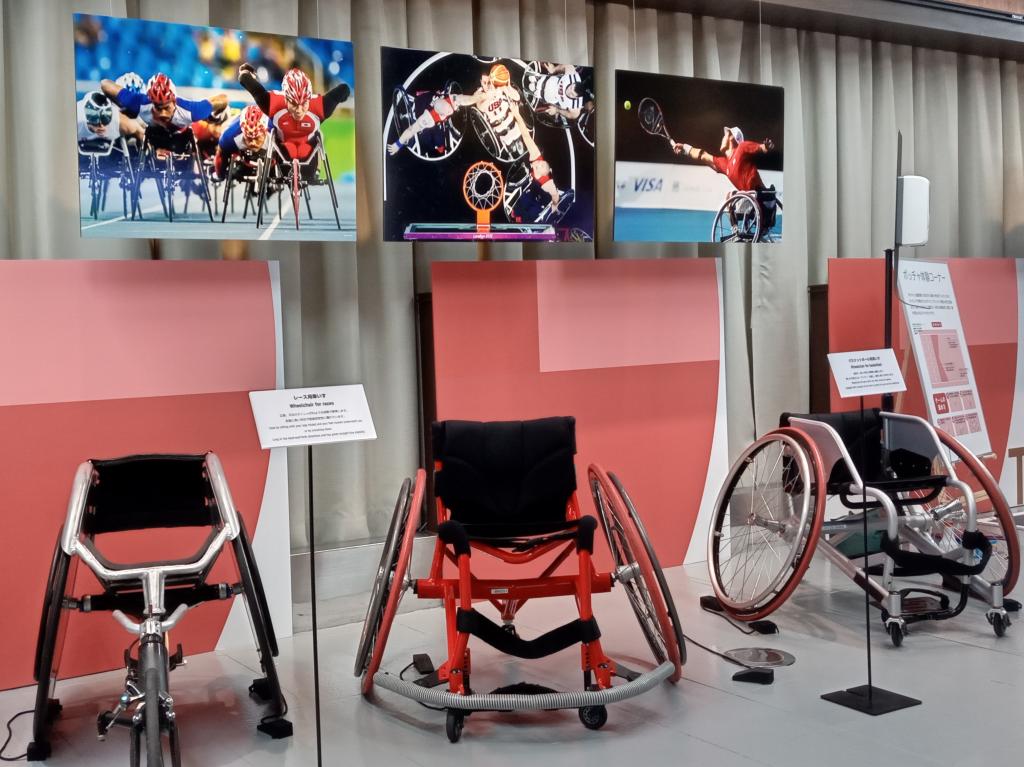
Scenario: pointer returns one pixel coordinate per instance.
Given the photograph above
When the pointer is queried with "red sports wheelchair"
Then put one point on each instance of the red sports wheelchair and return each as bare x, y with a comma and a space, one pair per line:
508, 490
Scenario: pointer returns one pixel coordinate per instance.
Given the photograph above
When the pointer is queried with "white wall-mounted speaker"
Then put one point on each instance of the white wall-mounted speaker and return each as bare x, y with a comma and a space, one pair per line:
912, 194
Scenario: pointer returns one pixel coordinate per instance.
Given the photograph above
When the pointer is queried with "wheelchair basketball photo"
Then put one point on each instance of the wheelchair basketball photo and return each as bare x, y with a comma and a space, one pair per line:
482, 148
697, 160
210, 133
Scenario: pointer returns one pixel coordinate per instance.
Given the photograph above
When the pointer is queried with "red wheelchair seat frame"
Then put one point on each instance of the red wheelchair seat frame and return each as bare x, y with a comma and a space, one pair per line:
507, 490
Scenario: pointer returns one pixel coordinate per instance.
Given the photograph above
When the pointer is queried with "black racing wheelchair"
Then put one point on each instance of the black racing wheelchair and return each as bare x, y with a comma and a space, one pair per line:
175, 164
101, 161
145, 492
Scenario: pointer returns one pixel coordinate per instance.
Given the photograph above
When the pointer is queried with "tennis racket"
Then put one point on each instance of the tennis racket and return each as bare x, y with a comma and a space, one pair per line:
652, 120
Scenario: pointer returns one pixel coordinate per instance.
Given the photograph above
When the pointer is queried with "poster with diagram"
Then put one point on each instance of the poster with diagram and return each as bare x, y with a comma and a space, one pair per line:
943, 359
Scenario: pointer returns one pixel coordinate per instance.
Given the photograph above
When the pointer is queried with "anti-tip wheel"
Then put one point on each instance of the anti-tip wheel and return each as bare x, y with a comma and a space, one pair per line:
896, 634
593, 717
1000, 622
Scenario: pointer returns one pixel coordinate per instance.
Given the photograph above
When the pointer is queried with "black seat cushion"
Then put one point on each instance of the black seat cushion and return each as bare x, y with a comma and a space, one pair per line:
505, 478
149, 491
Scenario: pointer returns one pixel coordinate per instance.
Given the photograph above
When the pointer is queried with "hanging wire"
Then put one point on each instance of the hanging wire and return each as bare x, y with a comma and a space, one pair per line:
634, 35
565, 27
760, 44
318, 18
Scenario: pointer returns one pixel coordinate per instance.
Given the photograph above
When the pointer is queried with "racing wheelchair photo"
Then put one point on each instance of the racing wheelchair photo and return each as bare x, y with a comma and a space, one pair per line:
747, 217
149, 598
507, 491
283, 173
173, 162
931, 506
102, 162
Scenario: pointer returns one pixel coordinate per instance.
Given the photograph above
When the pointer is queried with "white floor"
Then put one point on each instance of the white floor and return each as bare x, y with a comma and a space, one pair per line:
972, 685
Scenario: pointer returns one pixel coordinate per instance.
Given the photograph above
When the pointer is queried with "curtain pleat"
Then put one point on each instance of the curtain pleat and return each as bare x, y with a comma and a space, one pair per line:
349, 308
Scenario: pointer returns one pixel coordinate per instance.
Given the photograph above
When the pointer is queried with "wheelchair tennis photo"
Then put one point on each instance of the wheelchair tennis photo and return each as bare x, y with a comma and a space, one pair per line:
160, 119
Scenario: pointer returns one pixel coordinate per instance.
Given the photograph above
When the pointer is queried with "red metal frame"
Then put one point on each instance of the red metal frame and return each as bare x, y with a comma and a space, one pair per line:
459, 592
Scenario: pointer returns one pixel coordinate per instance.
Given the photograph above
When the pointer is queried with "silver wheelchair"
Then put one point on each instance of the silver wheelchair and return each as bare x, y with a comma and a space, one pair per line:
149, 598
931, 508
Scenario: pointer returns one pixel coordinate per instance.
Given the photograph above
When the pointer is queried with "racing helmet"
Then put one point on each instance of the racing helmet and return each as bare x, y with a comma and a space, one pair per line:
98, 109
131, 81
500, 76
253, 124
296, 86
160, 89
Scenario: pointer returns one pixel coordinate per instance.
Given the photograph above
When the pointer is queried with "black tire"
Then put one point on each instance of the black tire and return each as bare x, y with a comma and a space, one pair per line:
257, 582
999, 624
453, 724
153, 669
261, 629
666, 594
48, 650
896, 634
594, 717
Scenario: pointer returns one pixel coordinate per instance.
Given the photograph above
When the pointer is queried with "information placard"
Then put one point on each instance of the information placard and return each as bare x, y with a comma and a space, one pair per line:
312, 416
864, 373
943, 360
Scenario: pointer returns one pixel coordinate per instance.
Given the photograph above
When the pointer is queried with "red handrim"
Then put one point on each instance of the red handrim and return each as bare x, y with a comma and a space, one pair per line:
999, 505
395, 593
618, 509
818, 511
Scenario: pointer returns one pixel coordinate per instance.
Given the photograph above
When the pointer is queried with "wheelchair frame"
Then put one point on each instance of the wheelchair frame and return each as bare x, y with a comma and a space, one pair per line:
168, 176
636, 570
146, 684
289, 174
814, 449
99, 180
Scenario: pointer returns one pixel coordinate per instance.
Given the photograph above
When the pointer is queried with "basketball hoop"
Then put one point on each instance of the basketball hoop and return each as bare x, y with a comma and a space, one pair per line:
483, 188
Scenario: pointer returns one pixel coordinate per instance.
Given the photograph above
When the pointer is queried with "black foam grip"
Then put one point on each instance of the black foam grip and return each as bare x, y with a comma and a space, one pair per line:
486, 630
454, 534
585, 534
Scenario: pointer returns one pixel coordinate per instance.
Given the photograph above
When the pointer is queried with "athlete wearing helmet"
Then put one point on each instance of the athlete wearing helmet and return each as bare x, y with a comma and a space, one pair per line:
160, 105
737, 162
132, 82
246, 133
295, 111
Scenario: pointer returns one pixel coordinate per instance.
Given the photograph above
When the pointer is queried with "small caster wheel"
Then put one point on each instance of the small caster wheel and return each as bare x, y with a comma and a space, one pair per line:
510, 629
593, 717
453, 724
896, 634
999, 623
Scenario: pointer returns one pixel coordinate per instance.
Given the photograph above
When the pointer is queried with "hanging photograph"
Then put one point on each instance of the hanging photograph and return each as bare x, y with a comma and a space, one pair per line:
204, 132
697, 160
483, 148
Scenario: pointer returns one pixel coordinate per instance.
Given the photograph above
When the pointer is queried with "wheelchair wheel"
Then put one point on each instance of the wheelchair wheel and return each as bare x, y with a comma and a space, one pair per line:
738, 220
382, 578
635, 571
330, 185
659, 573
994, 517
766, 524
393, 577
296, 193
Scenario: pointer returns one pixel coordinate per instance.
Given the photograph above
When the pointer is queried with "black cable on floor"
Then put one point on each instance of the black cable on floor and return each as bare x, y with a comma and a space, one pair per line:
721, 655
10, 735
401, 675
728, 620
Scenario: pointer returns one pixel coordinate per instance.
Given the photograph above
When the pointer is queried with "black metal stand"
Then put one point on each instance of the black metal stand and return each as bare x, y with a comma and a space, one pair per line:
312, 600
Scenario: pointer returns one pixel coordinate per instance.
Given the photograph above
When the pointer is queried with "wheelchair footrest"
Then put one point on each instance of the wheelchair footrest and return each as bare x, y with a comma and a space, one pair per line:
924, 604
522, 688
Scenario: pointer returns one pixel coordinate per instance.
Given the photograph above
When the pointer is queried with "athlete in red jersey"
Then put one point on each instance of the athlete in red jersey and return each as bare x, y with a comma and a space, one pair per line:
737, 161
295, 111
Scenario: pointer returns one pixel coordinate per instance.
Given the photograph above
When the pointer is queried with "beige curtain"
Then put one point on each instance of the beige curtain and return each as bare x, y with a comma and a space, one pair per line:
349, 308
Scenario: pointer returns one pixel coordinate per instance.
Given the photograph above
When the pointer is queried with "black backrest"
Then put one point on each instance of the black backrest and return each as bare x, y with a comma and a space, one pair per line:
139, 492
863, 440
502, 471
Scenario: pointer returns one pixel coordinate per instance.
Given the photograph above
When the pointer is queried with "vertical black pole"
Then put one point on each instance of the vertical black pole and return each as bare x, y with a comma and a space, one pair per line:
312, 598
864, 504
887, 399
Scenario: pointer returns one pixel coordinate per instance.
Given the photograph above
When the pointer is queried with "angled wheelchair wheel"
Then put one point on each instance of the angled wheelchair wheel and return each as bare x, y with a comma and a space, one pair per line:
53, 627
766, 524
382, 578
659, 573
994, 517
738, 220
635, 571
390, 580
